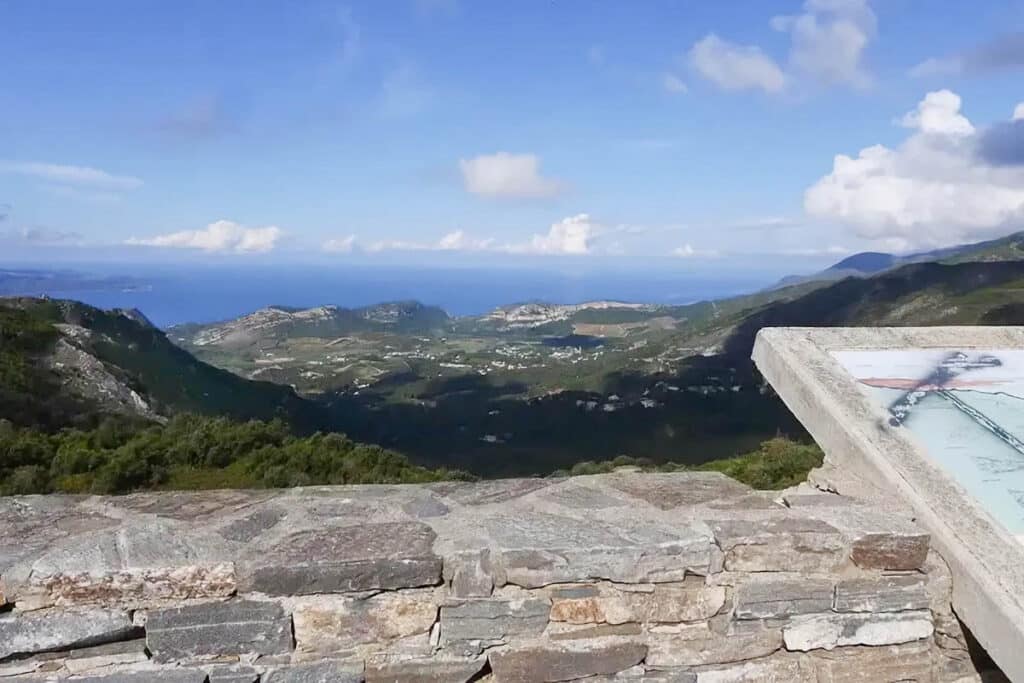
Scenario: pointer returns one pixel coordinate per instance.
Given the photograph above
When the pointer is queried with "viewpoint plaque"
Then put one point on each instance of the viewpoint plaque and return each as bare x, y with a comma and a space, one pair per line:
931, 419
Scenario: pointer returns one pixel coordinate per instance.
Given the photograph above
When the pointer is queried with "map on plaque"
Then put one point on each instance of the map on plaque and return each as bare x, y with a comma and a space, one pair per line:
965, 407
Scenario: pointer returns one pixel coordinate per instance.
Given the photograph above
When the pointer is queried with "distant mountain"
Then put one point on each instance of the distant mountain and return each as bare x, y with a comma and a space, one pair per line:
64, 362
1008, 248
275, 323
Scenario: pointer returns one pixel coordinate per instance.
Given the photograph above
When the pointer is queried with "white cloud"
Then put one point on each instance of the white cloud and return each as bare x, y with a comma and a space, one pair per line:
572, 235
673, 84
828, 40
939, 112
81, 176
932, 190
687, 251
736, 67
339, 245
1018, 112
220, 236
504, 175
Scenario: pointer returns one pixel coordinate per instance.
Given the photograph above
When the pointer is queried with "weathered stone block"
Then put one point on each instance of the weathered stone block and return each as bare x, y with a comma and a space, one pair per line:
772, 598
220, 628
575, 632
878, 539
343, 559
536, 550
31, 632
882, 594
788, 544
473, 625
148, 676
827, 631
469, 574
538, 663
334, 624
688, 649
778, 668
453, 670
321, 672
910, 662
101, 656
667, 491
610, 609
671, 604
232, 674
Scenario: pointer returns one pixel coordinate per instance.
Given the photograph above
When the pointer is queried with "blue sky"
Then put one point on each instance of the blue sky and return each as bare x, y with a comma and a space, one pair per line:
692, 134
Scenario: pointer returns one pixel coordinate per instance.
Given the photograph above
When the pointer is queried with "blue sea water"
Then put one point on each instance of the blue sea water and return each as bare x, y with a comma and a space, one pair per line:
212, 293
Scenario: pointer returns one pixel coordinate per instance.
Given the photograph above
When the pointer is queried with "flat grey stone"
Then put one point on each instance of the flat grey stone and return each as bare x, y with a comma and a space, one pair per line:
232, 674
535, 549
362, 557
64, 629
672, 650
668, 491
143, 561
883, 594
221, 628
470, 574
771, 598
450, 670
249, 527
147, 676
191, 506
473, 625
566, 661
321, 672
489, 492
425, 507
788, 543
582, 497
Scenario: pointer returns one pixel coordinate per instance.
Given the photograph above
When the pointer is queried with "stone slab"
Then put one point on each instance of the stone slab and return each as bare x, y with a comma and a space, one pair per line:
147, 676
216, 629
32, 632
773, 598
334, 624
473, 625
450, 670
828, 631
565, 663
882, 594
360, 557
320, 672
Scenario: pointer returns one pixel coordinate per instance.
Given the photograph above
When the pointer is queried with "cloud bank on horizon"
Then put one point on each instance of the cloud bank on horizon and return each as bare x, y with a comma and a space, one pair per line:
807, 131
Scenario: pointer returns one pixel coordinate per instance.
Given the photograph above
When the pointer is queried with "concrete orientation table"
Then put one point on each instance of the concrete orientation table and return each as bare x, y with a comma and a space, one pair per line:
930, 420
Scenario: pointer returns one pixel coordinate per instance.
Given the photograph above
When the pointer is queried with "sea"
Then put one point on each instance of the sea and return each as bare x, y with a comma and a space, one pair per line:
213, 293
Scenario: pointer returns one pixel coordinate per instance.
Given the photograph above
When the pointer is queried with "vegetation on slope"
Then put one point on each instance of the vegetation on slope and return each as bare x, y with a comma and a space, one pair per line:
777, 464
192, 452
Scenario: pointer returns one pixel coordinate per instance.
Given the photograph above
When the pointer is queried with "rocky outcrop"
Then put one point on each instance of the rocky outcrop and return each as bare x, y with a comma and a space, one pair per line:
621, 577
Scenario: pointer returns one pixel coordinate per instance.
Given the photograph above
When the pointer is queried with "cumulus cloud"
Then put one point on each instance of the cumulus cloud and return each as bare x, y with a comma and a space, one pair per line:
935, 189
572, 235
339, 245
939, 112
508, 176
736, 67
220, 236
827, 44
828, 40
82, 176
1001, 53
1018, 112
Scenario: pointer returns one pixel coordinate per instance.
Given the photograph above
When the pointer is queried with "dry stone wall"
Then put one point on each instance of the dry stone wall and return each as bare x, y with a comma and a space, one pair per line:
621, 577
